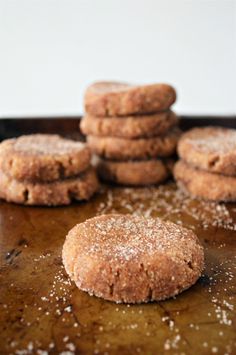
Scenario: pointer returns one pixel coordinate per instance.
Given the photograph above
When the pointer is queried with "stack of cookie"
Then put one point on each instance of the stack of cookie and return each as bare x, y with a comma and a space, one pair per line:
132, 130
207, 168
45, 169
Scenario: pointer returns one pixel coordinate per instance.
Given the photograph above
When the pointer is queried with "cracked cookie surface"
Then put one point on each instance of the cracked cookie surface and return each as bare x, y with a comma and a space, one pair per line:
122, 99
56, 193
140, 148
210, 148
204, 184
134, 173
43, 157
132, 259
129, 126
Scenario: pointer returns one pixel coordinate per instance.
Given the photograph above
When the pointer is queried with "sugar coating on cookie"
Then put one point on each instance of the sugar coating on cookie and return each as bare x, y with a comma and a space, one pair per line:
203, 184
131, 259
129, 126
140, 148
134, 173
55, 193
43, 157
210, 148
121, 99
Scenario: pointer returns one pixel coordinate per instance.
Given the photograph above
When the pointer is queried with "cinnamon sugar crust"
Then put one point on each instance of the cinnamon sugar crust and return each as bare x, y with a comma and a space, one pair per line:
134, 173
56, 193
210, 148
129, 126
202, 184
128, 149
122, 99
43, 157
130, 259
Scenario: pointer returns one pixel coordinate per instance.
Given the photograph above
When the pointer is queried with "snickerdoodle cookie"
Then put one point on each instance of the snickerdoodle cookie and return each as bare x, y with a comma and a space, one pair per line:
200, 183
43, 157
129, 126
140, 148
134, 173
130, 259
210, 148
55, 193
121, 99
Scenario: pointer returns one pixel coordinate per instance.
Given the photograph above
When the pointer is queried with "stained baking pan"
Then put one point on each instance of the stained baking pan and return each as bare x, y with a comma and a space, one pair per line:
42, 312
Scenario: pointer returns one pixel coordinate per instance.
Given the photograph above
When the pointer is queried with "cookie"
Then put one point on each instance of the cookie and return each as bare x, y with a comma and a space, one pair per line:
61, 192
43, 157
121, 99
210, 148
130, 149
134, 173
203, 184
132, 259
129, 126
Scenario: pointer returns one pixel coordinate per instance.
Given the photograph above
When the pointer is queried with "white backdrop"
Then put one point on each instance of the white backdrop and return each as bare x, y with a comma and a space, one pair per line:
51, 49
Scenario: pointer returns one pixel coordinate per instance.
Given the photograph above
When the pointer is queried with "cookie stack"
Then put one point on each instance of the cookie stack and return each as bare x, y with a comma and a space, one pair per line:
207, 168
43, 169
132, 130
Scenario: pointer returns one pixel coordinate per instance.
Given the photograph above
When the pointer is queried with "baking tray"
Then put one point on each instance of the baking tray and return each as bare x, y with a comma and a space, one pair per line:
42, 312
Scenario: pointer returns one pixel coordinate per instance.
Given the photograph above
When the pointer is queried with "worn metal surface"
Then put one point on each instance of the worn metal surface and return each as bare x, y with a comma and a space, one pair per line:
42, 312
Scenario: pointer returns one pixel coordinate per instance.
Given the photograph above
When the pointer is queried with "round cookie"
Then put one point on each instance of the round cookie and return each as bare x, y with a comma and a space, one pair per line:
210, 148
132, 259
129, 126
121, 99
134, 173
43, 157
203, 184
55, 193
130, 149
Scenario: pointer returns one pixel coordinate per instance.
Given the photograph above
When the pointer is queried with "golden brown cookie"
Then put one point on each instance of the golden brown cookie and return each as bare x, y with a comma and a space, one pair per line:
129, 149
121, 99
210, 148
134, 173
132, 259
43, 157
56, 193
129, 126
203, 184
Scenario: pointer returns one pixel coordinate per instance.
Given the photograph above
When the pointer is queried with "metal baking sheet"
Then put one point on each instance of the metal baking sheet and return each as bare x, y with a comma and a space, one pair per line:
42, 312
